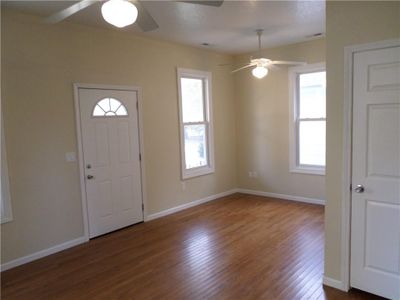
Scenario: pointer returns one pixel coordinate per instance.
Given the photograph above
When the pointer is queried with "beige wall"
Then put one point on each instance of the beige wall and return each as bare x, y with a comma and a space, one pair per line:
39, 64
262, 112
347, 23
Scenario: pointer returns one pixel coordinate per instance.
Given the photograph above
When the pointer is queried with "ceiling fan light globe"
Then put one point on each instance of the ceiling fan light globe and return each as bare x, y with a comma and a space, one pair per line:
259, 72
119, 13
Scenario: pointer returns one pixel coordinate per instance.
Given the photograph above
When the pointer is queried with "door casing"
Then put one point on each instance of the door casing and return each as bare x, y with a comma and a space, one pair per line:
76, 87
349, 52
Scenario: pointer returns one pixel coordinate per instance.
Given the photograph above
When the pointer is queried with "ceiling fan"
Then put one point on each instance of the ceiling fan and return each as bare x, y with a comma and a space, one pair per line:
263, 65
120, 13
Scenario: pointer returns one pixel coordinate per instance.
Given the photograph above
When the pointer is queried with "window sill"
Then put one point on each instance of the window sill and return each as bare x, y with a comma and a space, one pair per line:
308, 170
196, 172
6, 220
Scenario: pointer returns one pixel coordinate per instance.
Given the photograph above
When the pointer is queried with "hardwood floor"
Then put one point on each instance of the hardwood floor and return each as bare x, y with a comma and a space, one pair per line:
238, 247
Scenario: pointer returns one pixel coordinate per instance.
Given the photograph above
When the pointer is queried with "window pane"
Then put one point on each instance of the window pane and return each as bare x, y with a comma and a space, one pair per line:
109, 107
312, 143
195, 146
312, 91
192, 100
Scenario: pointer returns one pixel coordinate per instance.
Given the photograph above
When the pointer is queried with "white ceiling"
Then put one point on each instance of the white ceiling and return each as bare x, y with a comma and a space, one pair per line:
229, 28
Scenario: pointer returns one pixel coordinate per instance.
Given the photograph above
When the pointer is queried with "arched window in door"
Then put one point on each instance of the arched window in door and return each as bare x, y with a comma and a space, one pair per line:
109, 107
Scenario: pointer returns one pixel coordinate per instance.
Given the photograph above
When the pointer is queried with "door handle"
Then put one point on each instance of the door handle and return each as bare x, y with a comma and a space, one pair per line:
90, 177
359, 189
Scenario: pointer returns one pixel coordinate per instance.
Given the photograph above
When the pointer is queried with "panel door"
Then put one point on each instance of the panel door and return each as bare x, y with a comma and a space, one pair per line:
375, 234
110, 139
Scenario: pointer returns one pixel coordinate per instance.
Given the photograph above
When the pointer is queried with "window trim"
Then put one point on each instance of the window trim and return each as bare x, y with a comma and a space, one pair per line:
294, 166
208, 122
6, 214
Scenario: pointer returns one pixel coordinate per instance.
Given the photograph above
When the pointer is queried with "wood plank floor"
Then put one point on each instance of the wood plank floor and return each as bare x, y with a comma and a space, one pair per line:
237, 247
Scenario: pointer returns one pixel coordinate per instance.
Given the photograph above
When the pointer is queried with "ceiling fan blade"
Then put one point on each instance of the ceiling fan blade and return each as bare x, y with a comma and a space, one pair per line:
69, 11
244, 67
145, 21
272, 67
284, 62
205, 2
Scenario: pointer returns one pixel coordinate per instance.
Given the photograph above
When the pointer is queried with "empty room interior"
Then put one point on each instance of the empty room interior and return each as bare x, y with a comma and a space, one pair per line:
200, 149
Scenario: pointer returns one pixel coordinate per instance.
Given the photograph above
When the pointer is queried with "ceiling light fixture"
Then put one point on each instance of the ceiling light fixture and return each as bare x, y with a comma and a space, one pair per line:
263, 65
259, 72
119, 13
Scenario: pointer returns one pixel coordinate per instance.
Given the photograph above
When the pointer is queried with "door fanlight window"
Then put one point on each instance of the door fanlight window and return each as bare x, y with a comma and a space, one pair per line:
109, 107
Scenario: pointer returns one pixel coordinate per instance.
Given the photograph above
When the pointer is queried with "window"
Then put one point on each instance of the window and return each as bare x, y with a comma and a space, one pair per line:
308, 119
197, 151
6, 213
109, 107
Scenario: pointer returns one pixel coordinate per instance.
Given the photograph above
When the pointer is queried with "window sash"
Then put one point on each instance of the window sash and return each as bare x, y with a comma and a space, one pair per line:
205, 96
298, 164
206, 145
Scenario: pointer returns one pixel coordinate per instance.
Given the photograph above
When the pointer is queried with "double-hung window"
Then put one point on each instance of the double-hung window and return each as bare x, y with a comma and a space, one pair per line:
308, 119
196, 127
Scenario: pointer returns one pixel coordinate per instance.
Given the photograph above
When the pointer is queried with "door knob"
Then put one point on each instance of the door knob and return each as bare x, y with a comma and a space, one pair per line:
359, 188
90, 177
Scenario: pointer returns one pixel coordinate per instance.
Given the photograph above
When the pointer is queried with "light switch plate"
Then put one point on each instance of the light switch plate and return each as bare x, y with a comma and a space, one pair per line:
70, 156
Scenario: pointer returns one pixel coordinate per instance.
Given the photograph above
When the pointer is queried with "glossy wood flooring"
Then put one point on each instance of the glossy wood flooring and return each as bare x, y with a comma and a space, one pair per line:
238, 247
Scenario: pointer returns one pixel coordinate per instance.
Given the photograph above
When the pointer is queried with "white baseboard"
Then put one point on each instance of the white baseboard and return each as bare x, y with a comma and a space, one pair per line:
31, 257
188, 205
282, 196
72, 243
334, 283
57, 248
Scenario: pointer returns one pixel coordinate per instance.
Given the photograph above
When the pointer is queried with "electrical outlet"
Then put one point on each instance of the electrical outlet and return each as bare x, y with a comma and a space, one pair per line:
253, 174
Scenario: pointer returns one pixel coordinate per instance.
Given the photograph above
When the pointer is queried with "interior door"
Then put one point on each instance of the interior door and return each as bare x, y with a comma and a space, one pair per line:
375, 234
110, 140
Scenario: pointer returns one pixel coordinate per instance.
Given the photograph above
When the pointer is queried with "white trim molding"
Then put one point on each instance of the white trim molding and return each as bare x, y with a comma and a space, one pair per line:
282, 196
230, 192
334, 283
188, 205
85, 238
34, 256
68, 244
6, 214
349, 53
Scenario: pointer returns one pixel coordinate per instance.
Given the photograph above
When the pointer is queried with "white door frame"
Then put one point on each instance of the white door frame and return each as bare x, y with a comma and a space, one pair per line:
138, 91
349, 53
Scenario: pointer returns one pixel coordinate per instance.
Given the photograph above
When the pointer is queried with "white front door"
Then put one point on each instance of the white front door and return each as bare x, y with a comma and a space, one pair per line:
110, 141
375, 225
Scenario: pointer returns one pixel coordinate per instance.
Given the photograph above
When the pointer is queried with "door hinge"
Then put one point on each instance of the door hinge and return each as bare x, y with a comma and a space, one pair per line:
137, 105
140, 156
142, 206
351, 187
